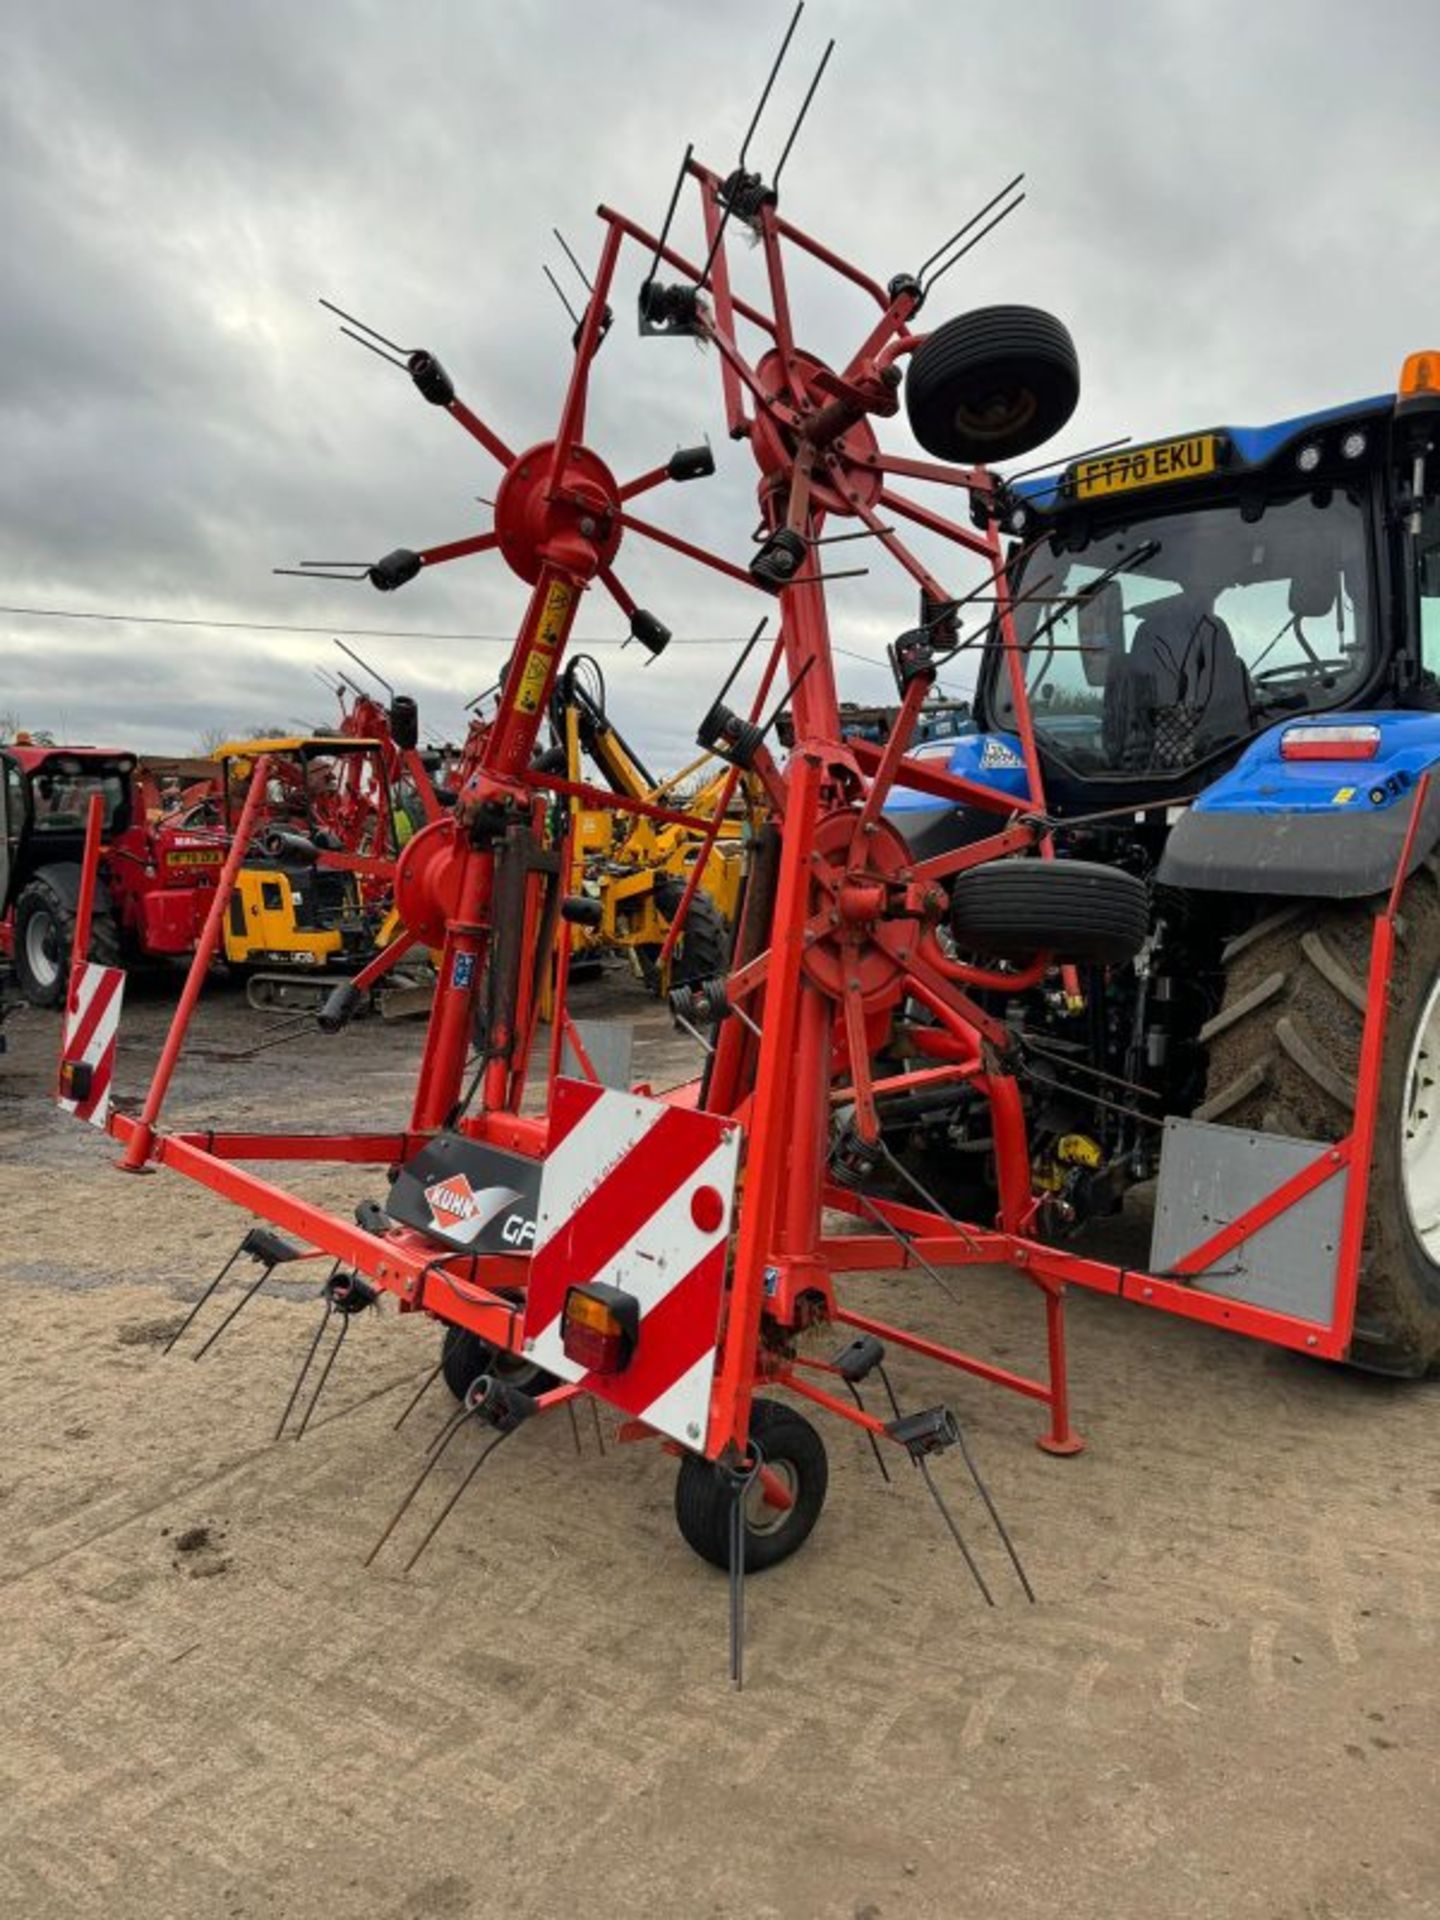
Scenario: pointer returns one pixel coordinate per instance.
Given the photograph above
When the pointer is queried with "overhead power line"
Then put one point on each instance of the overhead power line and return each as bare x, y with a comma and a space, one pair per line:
365, 633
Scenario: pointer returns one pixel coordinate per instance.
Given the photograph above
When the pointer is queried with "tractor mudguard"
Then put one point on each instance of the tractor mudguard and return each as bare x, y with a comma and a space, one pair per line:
1329, 826
64, 877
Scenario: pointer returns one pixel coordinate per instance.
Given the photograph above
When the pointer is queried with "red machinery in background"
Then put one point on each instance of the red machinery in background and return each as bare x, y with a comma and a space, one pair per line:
158, 873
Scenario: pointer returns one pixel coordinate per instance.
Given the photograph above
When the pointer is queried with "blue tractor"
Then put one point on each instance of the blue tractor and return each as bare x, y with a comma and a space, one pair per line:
1229, 644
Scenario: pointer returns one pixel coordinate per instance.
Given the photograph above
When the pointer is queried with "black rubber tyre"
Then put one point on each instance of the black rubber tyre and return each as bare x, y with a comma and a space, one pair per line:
464, 1356
992, 384
1284, 1051
1075, 909
44, 932
703, 950
792, 1448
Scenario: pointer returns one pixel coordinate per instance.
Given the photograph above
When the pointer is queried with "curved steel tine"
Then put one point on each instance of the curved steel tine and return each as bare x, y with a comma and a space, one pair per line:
331, 1358
955, 1533
244, 1301
305, 1368
190, 1317
450, 1504
425, 1386
448, 1433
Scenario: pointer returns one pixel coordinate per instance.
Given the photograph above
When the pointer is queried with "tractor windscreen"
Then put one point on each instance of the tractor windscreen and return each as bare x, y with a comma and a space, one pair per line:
1198, 628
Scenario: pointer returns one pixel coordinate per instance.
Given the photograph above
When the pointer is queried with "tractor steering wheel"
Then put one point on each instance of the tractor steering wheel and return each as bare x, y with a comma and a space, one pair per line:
1305, 672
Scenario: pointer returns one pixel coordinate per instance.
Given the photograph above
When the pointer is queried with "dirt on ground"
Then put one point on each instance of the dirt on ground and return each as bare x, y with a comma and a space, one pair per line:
1224, 1702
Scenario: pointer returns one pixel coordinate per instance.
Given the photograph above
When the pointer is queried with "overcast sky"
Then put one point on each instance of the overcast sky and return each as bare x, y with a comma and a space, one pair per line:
1232, 205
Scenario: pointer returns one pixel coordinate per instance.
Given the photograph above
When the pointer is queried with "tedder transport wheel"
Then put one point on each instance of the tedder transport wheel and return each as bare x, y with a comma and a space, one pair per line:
703, 950
464, 1356
1075, 909
992, 384
794, 1452
44, 931
1284, 1051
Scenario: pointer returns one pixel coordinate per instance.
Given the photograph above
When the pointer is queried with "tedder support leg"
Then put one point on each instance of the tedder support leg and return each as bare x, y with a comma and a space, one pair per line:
1061, 1439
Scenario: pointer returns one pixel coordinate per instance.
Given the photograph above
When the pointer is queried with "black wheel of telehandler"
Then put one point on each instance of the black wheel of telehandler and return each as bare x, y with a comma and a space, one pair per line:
794, 1452
1284, 1055
44, 933
992, 384
464, 1356
703, 950
1075, 909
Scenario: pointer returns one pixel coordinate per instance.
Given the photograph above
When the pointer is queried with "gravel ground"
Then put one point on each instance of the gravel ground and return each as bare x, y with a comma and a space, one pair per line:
1223, 1704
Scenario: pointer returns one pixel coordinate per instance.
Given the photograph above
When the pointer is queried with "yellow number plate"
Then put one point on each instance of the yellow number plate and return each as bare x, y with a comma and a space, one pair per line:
1152, 466
197, 857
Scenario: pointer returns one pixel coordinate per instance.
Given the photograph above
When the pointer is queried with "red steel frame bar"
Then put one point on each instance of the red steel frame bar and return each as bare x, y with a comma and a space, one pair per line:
85, 904
142, 1139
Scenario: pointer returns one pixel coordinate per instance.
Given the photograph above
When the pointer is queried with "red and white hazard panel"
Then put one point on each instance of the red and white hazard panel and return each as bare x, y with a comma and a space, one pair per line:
637, 1195
87, 1056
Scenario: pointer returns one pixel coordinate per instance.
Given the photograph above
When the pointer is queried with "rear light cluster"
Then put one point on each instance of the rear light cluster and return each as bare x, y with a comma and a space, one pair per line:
1355, 742
599, 1327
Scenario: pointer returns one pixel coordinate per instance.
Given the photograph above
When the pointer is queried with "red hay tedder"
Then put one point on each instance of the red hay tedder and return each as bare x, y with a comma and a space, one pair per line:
670, 1256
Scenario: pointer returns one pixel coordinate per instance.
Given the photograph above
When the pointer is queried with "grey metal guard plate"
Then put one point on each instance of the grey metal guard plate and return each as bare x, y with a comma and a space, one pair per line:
611, 1047
1209, 1176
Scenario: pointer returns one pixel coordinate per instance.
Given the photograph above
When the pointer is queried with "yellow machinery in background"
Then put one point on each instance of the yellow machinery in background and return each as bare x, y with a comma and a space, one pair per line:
633, 868
313, 898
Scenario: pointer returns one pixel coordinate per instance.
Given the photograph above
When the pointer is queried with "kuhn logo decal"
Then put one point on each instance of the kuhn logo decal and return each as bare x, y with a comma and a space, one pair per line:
462, 1212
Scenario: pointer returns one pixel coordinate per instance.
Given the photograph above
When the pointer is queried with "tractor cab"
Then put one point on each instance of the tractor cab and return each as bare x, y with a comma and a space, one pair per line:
156, 877
1174, 600
45, 797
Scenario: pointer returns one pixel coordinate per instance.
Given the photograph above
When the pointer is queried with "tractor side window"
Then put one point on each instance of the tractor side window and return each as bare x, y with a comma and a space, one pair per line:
1430, 590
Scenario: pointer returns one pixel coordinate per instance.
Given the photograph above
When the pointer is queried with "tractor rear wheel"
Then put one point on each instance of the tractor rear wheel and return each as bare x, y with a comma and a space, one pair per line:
1284, 1056
793, 1452
44, 935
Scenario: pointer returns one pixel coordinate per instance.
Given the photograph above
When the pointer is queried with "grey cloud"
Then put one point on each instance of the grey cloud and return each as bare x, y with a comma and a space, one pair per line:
1229, 204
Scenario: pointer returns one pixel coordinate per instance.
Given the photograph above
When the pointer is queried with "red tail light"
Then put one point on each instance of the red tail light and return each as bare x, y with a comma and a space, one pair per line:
599, 1327
1330, 743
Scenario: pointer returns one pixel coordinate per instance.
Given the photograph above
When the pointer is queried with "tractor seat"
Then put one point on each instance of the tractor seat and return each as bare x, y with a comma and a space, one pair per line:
1180, 690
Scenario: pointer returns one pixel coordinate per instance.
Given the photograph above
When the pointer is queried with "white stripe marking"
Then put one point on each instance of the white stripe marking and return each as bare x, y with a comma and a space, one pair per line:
659, 1254
685, 1403
589, 1154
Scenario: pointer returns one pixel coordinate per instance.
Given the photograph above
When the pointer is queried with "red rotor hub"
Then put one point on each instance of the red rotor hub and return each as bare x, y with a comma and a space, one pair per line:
578, 524
428, 879
850, 943
775, 447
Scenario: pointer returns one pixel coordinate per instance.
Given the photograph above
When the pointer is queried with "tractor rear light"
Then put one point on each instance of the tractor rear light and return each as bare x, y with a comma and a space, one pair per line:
599, 1327
1353, 445
1330, 743
1308, 458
